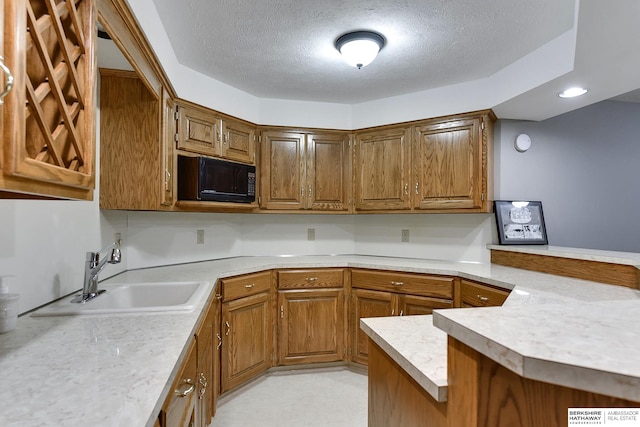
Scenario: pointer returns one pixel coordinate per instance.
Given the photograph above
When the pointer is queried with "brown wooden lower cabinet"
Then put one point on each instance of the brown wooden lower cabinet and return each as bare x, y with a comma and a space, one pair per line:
246, 340
366, 303
311, 326
379, 293
205, 381
180, 407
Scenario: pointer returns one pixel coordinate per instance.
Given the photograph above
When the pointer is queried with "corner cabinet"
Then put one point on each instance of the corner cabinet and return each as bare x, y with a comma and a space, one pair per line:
436, 165
48, 117
312, 316
305, 171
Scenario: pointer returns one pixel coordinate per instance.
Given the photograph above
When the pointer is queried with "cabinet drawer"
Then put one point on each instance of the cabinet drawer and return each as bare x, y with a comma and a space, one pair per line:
404, 283
311, 278
477, 295
243, 286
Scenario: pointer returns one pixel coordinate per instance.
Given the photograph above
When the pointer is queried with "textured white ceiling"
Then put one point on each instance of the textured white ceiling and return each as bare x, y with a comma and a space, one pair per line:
284, 49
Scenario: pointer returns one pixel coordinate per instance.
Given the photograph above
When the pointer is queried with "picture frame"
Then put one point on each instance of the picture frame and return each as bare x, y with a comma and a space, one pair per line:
520, 222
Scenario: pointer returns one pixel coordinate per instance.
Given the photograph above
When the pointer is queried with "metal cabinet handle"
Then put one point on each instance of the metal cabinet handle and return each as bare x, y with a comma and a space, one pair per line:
483, 298
250, 285
203, 382
309, 191
302, 191
401, 312
9, 82
185, 392
282, 311
219, 342
397, 283
228, 328
406, 189
310, 279
393, 310
167, 179
417, 189
218, 136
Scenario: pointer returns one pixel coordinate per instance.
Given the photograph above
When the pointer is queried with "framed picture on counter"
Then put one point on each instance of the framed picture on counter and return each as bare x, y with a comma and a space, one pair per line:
520, 222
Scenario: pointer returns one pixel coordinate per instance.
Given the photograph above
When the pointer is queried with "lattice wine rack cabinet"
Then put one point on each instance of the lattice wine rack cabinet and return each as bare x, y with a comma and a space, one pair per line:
49, 115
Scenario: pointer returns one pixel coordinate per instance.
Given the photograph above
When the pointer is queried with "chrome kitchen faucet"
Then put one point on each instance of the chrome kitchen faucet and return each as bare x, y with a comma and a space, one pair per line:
92, 267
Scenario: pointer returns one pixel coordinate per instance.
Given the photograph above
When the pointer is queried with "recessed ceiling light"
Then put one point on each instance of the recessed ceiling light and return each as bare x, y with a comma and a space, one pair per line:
572, 92
360, 48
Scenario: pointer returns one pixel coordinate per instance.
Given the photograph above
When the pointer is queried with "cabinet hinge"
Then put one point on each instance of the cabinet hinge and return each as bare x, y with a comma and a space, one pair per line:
176, 116
259, 200
482, 197
175, 137
482, 125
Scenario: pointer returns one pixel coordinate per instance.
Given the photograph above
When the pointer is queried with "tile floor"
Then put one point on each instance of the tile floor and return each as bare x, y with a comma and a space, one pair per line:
335, 397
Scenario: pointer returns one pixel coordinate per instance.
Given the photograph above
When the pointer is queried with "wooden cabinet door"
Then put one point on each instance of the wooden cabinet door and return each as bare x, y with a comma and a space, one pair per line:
246, 342
311, 326
238, 141
383, 170
448, 160
204, 379
283, 170
328, 172
366, 303
48, 118
198, 130
179, 409
411, 305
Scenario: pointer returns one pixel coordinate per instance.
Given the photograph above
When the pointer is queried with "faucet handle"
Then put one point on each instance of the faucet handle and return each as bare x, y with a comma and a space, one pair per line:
116, 256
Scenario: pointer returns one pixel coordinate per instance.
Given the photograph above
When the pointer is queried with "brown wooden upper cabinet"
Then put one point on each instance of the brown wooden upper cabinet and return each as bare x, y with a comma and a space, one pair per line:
136, 147
305, 171
48, 117
448, 163
383, 169
206, 132
440, 165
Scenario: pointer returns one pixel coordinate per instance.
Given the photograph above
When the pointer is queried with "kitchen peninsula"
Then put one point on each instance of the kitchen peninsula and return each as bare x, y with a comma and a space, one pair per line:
118, 370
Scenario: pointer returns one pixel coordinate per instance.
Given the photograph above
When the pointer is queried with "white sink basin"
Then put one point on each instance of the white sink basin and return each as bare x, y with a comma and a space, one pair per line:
132, 298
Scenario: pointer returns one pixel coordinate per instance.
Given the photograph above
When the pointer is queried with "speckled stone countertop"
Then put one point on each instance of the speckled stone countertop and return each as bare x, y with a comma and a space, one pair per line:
585, 335
116, 370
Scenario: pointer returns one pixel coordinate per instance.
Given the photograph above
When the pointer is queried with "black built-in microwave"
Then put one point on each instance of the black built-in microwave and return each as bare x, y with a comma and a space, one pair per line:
204, 178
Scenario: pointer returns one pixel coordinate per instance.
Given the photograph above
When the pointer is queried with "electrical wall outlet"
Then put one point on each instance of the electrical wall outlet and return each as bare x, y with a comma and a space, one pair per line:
117, 238
405, 236
200, 237
311, 234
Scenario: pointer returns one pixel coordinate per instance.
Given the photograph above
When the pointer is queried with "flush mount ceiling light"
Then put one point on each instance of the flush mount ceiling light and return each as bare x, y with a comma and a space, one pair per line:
572, 92
359, 48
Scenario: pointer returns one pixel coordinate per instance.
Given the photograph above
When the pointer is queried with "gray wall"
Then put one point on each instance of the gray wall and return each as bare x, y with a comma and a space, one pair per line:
584, 167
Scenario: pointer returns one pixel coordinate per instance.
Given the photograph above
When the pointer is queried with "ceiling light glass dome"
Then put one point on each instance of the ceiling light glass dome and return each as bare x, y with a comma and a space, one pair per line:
360, 48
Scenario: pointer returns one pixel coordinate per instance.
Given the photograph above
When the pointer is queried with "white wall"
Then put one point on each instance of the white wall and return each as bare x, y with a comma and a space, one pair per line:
583, 166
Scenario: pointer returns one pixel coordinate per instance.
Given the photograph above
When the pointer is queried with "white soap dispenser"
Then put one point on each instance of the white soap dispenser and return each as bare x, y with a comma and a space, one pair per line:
8, 308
